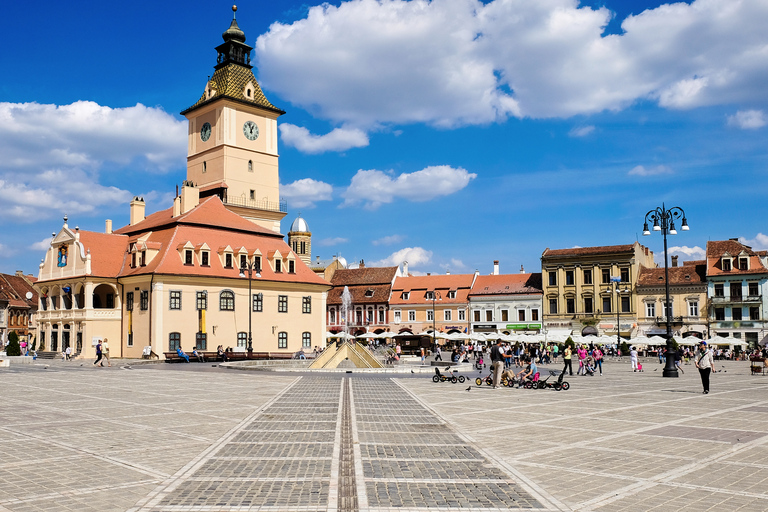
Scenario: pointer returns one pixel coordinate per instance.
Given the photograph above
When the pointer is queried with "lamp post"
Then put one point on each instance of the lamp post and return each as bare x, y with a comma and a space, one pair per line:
616, 280
435, 295
251, 269
664, 221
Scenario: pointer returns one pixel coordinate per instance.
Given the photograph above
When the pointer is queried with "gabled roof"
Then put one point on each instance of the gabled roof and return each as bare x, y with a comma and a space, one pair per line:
365, 275
361, 294
507, 284
108, 252
717, 249
691, 273
14, 289
443, 283
210, 212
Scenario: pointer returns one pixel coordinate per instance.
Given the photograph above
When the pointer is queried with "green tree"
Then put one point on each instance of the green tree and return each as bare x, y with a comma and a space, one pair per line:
13, 348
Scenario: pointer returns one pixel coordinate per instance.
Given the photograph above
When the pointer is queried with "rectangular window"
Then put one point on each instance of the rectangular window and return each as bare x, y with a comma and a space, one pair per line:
174, 341
411, 316
258, 302
736, 313
476, 315
303, 247
535, 315
332, 316
130, 339
569, 277
505, 315
650, 309
133, 260
553, 278
306, 304
201, 341
735, 290
278, 266
447, 315
589, 305
606, 304
381, 316
452, 294
243, 261
282, 340
693, 308
552, 306
719, 313
754, 313
430, 316
668, 310
606, 276
242, 339
252, 195
398, 316
587, 276
406, 295
625, 305
624, 272
753, 289
257, 263
743, 263
143, 258
726, 265
719, 291
489, 315
282, 303
144, 300
570, 306
187, 257
201, 300
110, 301
291, 267
306, 337
462, 315
369, 316
227, 300
175, 299
228, 261
128, 301
429, 295
521, 315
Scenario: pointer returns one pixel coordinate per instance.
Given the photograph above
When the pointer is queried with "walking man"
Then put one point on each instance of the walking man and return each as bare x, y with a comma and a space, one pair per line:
497, 360
105, 352
98, 355
705, 363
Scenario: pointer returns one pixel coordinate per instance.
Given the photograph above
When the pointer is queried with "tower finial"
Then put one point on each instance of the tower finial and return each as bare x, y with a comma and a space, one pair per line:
234, 12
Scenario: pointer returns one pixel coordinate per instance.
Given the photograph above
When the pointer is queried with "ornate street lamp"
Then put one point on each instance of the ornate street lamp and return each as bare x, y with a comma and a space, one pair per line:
664, 221
251, 269
616, 280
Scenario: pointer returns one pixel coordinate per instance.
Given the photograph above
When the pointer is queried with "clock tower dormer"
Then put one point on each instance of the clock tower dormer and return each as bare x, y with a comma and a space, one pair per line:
233, 137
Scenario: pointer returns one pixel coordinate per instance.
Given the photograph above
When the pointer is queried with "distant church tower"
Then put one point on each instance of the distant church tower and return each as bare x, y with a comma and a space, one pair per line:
233, 137
300, 239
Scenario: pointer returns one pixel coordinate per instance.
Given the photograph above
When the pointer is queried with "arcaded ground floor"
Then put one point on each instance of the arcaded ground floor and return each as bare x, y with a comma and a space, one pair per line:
200, 438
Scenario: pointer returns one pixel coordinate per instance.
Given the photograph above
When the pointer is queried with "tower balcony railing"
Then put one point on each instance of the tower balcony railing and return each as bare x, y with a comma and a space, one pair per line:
738, 299
272, 206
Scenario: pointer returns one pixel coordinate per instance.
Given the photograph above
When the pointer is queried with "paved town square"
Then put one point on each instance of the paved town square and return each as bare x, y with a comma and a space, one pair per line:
202, 438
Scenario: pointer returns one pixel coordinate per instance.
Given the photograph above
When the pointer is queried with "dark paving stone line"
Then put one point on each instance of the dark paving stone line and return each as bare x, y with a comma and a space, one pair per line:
347, 484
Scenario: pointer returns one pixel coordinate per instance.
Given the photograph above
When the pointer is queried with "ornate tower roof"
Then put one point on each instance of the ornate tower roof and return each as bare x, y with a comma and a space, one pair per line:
233, 78
299, 225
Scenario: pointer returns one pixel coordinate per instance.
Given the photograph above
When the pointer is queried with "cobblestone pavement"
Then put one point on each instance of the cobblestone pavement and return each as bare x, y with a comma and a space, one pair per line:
150, 439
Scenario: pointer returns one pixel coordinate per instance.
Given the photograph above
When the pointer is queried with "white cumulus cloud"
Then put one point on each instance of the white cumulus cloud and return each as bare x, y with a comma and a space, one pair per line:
461, 62
686, 253
329, 242
388, 240
306, 192
415, 256
748, 119
42, 245
374, 188
581, 131
641, 170
338, 139
759, 243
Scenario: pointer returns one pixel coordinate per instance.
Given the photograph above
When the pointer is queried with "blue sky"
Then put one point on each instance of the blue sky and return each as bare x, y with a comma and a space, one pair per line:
449, 133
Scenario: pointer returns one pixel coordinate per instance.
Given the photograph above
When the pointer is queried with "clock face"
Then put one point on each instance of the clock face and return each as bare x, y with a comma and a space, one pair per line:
205, 132
250, 130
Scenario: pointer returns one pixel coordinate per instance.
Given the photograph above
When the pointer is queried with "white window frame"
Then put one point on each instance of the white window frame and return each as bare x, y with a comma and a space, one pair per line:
447, 315
411, 315
693, 308
398, 316
462, 315
430, 315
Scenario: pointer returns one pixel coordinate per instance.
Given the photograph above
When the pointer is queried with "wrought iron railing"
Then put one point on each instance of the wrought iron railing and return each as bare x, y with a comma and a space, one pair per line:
273, 206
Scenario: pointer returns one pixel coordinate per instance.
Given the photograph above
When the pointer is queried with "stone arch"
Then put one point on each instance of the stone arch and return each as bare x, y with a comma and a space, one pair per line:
104, 296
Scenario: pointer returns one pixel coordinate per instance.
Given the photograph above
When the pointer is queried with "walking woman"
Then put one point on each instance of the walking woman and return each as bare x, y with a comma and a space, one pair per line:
705, 363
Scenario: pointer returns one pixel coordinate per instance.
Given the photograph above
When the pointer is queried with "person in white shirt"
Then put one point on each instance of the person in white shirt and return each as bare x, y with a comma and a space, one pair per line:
705, 362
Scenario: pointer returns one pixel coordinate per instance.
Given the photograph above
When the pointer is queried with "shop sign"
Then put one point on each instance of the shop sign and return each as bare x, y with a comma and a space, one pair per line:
484, 326
523, 327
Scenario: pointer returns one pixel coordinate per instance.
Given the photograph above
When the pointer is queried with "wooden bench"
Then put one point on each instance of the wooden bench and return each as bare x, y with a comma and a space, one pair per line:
173, 357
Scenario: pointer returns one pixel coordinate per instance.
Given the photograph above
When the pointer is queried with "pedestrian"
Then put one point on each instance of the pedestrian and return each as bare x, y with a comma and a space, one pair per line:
597, 355
567, 360
423, 355
581, 352
98, 361
438, 357
105, 352
398, 351
633, 358
705, 362
68, 353
497, 360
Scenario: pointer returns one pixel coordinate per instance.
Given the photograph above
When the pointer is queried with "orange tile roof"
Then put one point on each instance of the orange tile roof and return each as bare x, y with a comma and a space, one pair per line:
717, 249
365, 275
108, 252
506, 284
15, 288
443, 283
692, 272
585, 251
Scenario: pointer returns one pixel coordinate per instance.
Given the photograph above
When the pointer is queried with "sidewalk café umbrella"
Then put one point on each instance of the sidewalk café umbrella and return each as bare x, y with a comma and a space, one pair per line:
478, 336
443, 336
719, 340
686, 342
458, 336
387, 335
657, 340
368, 335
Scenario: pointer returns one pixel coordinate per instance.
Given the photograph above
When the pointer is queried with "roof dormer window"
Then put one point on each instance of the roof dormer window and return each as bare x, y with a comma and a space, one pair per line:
452, 294
278, 265
725, 263
743, 263
429, 295
188, 257
369, 292
406, 295
291, 267
204, 259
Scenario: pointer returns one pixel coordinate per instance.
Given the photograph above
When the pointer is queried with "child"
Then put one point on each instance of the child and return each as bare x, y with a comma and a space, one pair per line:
639, 367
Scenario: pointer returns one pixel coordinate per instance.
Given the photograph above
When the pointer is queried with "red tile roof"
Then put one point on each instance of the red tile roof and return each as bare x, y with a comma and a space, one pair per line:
108, 252
692, 272
717, 249
506, 284
585, 251
15, 288
443, 283
365, 275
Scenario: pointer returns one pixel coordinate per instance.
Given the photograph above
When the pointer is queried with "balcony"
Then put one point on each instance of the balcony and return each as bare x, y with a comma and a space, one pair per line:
662, 320
271, 206
738, 299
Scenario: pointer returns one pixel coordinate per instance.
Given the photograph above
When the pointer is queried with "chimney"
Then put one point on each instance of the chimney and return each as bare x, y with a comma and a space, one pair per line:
674, 261
405, 269
108, 227
429, 273
176, 206
190, 196
137, 210
495, 267
362, 264
447, 272
318, 260
522, 270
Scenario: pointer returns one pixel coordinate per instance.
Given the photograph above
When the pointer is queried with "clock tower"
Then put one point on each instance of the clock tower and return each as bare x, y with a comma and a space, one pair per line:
233, 137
